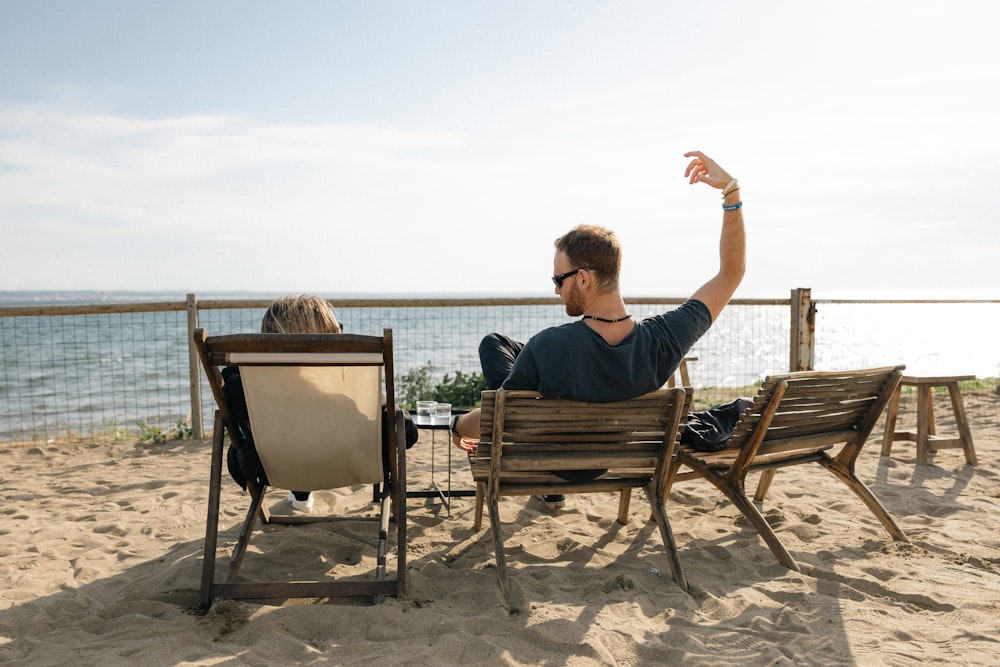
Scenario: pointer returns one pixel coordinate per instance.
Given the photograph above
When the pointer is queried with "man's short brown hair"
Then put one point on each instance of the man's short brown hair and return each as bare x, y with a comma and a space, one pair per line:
597, 248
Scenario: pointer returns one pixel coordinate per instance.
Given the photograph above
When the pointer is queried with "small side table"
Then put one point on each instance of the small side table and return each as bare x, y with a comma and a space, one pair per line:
926, 436
436, 491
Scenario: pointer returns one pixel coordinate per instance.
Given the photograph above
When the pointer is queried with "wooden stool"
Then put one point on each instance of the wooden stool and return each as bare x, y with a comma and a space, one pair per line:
926, 435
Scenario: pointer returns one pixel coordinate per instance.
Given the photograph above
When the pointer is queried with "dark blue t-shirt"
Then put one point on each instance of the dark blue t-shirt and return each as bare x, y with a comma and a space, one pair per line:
573, 361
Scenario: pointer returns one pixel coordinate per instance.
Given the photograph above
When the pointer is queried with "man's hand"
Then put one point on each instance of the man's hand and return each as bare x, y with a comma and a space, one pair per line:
465, 444
703, 169
464, 430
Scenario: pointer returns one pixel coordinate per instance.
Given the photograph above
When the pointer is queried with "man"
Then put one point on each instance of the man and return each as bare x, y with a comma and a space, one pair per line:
607, 355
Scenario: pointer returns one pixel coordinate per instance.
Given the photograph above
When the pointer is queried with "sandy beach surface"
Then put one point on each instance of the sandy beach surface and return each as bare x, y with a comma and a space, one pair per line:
100, 555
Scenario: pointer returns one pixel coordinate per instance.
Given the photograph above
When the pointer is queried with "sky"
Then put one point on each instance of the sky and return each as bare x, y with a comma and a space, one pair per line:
441, 146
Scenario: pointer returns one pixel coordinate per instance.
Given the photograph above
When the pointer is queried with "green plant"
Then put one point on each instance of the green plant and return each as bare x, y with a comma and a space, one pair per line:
183, 430
413, 386
980, 383
461, 391
149, 433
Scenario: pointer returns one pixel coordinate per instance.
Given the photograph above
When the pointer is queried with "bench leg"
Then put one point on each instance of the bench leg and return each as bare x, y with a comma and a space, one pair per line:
480, 492
766, 477
862, 491
734, 490
890, 423
663, 523
624, 500
498, 546
764, 529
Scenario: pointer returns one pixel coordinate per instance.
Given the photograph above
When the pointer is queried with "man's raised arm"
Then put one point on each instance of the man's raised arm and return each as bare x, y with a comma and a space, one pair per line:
717, 292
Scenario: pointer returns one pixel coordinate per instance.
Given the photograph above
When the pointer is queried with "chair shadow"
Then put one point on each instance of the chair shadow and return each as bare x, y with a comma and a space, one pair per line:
153, 601
922, 474
133, 502
640, 576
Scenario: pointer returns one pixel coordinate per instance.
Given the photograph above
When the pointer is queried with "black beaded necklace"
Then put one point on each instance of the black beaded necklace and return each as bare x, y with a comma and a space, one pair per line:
604, 319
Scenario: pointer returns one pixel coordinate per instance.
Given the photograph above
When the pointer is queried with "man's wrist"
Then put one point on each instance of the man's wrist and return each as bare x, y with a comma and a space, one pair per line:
731, 198
454, 426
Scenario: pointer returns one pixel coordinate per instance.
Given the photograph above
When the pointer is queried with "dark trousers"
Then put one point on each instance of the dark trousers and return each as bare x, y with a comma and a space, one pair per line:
496, 355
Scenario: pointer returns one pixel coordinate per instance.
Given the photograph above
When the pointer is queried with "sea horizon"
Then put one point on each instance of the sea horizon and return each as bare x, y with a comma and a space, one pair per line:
98, 296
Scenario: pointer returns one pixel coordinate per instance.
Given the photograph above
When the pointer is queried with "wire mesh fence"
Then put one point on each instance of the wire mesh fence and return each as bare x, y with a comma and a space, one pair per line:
92, 373
123, 370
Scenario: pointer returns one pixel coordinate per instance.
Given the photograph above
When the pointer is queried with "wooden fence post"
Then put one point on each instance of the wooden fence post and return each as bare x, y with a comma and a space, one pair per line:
194, 369
802, 346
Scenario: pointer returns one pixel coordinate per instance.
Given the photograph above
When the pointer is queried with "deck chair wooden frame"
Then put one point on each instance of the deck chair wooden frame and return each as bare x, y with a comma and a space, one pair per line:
798, 418
526, 438
317, 365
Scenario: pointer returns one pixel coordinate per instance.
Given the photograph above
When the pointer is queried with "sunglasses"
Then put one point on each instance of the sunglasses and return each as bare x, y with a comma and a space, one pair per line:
558, 280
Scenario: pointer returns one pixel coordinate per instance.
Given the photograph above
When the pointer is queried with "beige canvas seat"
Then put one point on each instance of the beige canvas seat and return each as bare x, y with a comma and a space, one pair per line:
798, 418
315, 408
526, 439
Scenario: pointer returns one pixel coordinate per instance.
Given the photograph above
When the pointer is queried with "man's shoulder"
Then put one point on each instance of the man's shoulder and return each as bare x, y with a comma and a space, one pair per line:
692, 309
560, 332
689, 321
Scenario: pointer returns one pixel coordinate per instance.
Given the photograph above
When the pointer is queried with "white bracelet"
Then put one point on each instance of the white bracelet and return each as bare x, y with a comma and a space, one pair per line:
732, 185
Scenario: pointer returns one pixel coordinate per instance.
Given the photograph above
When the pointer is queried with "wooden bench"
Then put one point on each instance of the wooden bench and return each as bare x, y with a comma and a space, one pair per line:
532, 445
798, 418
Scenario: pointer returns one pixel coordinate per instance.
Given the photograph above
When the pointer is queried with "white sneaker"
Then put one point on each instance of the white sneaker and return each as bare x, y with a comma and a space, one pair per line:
554, 502
301, 505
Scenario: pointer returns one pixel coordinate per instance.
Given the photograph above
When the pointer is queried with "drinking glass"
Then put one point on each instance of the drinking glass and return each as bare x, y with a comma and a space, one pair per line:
425, 413
442, 414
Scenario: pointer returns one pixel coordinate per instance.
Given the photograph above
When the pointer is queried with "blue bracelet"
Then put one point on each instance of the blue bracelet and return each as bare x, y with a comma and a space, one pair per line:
735, 207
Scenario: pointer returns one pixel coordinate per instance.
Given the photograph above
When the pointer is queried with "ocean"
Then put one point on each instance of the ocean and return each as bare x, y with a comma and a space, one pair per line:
126, 372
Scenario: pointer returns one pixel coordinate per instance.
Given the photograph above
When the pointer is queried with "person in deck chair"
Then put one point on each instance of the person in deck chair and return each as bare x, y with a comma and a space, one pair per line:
607, 355
286, 315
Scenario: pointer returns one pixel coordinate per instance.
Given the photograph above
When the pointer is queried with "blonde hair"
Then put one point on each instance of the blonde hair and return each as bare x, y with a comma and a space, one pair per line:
299, 314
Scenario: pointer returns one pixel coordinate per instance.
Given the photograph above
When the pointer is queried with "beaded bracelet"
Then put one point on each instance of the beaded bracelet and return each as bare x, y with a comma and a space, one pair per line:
735, 207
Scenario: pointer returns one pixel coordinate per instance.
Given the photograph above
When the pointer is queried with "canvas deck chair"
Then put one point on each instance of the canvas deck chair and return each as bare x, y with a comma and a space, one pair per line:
798, 418
315, 406
526, 438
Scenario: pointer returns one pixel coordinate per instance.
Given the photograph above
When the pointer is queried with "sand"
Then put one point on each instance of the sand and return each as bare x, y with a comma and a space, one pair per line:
101, 558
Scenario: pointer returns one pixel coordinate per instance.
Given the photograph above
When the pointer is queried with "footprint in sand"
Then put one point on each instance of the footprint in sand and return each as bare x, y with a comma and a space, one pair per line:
614, 649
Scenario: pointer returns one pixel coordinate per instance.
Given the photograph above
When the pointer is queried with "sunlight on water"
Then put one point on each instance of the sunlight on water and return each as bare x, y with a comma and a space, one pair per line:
98, 372
931, 339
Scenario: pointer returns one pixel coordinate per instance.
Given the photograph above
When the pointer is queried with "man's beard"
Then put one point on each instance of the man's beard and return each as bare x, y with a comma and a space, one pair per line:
573, 301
